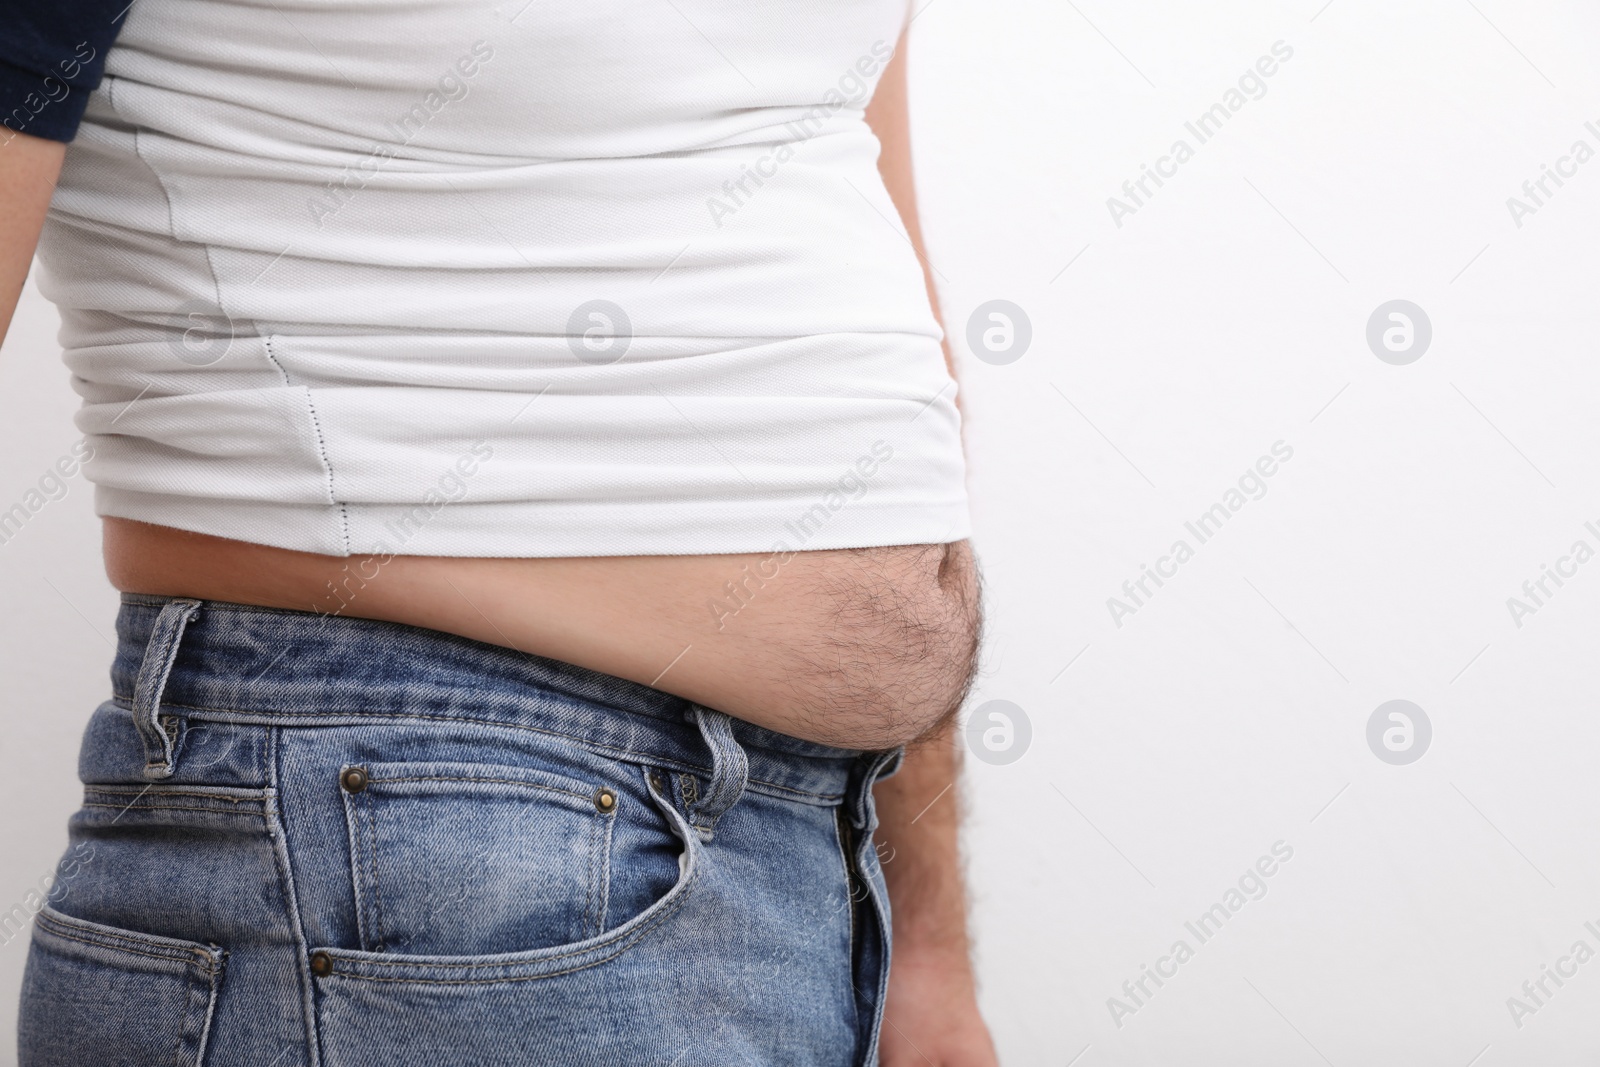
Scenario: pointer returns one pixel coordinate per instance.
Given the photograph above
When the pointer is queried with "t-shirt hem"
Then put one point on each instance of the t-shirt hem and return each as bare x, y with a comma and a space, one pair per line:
523, 530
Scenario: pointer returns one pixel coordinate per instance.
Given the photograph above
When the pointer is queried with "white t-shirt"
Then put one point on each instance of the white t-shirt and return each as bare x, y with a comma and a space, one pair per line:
548, 278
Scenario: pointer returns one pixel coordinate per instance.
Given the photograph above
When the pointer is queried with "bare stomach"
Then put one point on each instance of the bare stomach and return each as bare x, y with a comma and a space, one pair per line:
863, 648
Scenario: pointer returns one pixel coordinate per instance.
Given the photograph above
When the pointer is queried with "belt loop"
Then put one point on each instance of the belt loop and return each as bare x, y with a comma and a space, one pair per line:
876, 766
160, 733
730, 770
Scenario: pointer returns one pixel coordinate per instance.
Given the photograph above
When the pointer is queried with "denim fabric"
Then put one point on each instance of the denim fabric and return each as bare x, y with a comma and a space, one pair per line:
330, 841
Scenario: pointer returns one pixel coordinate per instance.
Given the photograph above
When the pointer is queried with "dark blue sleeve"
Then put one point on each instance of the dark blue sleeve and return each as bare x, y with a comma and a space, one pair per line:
52, 53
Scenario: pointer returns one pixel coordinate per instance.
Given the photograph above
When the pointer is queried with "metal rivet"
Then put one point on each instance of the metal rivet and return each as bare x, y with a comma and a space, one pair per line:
659, 782
354, 779
321, 964
605, 799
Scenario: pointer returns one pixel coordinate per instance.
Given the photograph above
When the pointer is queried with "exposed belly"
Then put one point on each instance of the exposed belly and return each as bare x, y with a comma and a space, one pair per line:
856, 647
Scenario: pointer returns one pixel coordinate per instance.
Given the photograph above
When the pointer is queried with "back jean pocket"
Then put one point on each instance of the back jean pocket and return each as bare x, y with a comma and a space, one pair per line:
471, 859
98, 995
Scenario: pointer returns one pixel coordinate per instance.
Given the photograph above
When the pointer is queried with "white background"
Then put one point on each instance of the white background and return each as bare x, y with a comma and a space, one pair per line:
1230, 711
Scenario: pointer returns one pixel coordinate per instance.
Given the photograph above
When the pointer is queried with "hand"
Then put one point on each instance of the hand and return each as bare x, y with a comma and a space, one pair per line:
931, 1018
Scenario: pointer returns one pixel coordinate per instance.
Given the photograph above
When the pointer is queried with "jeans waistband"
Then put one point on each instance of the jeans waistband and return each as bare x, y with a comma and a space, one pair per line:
212, 660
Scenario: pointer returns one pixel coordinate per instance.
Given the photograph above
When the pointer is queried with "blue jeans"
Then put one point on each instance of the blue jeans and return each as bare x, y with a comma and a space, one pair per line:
314, 840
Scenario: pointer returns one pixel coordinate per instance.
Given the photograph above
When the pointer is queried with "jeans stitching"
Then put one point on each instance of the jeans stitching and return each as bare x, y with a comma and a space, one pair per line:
174, 807
377, 883
621, 947
596, 746
493, 781
156, 792
271, 762
603, 890
195, 957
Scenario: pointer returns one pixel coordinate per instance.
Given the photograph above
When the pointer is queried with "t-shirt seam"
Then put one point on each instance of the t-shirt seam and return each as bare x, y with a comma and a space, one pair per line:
322, 447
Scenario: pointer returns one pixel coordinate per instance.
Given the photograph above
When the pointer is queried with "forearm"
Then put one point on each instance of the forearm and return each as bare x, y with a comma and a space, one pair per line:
919, 814
931, 1017
28, 170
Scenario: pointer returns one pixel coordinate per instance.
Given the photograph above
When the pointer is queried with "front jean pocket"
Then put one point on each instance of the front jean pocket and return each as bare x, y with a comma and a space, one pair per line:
471, 859
529, 891
98, 995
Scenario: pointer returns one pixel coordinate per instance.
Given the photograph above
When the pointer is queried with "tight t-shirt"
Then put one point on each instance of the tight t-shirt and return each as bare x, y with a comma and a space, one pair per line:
452, 277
